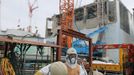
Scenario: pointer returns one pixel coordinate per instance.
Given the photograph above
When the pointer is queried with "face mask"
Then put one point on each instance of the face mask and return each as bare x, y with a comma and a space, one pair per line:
73, 60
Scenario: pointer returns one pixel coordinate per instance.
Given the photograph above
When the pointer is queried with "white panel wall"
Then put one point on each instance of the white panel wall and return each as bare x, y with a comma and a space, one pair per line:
115, 35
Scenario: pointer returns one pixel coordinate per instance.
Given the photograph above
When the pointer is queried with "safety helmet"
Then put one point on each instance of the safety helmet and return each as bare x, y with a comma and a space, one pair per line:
58, 68
71, 51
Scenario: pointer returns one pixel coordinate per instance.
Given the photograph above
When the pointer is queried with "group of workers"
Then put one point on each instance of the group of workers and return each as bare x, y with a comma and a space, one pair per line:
70, 67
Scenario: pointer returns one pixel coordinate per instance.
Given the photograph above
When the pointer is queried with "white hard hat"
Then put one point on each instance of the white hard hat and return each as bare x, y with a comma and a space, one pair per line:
71, 51
58, 68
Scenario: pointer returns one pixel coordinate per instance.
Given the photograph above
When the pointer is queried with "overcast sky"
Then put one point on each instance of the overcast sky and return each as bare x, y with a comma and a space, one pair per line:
14, 12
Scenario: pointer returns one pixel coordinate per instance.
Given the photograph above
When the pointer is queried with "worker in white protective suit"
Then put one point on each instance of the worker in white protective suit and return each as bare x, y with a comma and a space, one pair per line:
82, 63
71, 63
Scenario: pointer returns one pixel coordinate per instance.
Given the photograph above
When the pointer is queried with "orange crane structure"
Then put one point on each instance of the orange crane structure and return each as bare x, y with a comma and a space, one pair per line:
66, 18
66, 9
66, 32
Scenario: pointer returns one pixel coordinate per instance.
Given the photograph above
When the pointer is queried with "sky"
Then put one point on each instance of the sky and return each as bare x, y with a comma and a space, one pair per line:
16, 12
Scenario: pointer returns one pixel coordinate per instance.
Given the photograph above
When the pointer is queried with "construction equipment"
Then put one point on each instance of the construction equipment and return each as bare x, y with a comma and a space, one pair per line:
32, 7
66, 19
126, 59
66, 8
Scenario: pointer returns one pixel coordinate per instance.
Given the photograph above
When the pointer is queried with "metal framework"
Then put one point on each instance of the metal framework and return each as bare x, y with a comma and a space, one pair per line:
130, 48
67, 13
34, 43
66, 8
75, 34
114, 46
128, 64
9, 44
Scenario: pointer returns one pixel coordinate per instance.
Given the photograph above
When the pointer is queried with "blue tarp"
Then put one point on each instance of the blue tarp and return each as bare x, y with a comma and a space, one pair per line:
81, 46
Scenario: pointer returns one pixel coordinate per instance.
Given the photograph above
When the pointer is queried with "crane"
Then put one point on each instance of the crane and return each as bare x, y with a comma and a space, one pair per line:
32, 7
66, 8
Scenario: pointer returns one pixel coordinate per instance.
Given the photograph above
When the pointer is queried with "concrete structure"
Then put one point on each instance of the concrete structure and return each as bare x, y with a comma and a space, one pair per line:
110, 13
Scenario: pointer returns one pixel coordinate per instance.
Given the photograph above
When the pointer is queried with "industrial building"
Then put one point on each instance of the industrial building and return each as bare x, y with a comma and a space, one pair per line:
113, 25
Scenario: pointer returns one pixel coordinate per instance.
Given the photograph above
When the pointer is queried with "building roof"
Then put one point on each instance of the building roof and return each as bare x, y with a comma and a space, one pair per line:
19, 33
